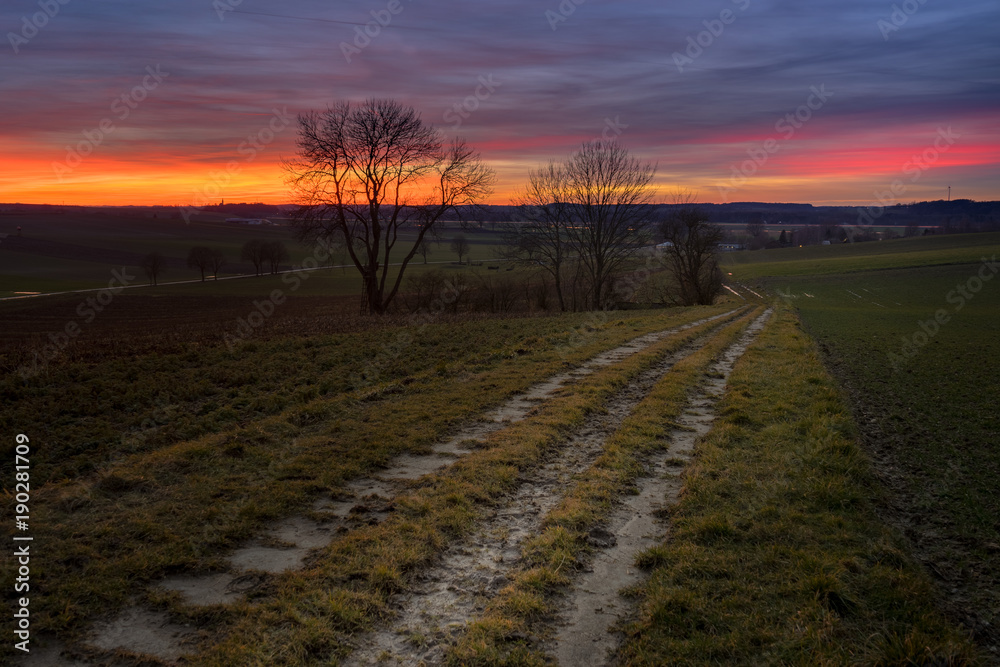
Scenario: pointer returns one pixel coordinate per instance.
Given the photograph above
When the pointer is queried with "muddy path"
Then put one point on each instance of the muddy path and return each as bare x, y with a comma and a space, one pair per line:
446, 596
285, 545
593, 606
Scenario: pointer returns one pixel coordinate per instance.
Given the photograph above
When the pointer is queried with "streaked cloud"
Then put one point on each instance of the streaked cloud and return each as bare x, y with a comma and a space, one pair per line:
607, 62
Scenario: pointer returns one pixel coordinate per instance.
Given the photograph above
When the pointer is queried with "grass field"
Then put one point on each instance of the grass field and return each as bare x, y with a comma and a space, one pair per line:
919, 361
843, 514
853, 257
150, 464
84, 245
776, 553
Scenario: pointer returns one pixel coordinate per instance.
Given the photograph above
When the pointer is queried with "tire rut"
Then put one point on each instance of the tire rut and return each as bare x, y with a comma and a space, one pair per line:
453, 591
363, 501
594, 605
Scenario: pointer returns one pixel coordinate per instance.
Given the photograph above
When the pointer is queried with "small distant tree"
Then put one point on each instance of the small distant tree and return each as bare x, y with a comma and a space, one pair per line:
783, 239
274, 253
460, 246
218, 260
254, 251
200, 258
424, 248
154, 265
755, 231
692, 256
544, 237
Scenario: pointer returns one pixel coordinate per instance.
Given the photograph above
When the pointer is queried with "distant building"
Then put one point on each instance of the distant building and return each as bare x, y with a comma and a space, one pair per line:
249, 221
730, 247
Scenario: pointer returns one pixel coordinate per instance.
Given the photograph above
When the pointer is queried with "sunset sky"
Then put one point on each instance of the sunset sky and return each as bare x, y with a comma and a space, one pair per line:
193, 101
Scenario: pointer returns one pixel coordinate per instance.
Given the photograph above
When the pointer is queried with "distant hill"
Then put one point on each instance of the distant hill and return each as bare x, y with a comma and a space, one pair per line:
960, 215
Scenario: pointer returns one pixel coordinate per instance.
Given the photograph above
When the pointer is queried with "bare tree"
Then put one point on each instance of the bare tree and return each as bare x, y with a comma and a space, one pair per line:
200, 257
365, 171
255, 251
755, 230
218, 261
154, 265
273, 254
608, 194
460, 246
692, 243
543, 236
424, 248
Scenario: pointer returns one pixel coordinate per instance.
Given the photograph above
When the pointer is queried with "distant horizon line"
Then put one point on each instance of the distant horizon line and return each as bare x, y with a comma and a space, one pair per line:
665, 203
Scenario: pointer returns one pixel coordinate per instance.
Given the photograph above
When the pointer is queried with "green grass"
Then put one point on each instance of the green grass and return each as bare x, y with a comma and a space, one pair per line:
443, 508
550, 558
929, 406
776, 553
162, 463
174, 239
852, 257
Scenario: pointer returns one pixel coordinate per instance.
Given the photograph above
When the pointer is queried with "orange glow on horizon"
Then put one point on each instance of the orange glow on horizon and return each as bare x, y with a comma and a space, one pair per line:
810, 171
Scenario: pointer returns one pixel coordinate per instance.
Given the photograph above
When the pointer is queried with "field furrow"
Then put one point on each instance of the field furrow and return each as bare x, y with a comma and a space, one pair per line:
594, 604
468, 572
517, 625
158, 621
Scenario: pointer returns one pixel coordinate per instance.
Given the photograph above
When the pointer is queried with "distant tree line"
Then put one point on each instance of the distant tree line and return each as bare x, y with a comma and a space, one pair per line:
264, 255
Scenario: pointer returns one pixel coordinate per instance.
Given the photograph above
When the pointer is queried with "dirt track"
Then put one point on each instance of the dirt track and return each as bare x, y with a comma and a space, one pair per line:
445, 597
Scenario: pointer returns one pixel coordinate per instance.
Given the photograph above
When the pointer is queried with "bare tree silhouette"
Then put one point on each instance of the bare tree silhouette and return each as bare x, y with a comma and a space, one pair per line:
367, 171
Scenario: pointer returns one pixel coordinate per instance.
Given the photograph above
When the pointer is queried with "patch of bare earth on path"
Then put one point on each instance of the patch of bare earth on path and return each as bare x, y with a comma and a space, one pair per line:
431, 615
286, 544
594, 605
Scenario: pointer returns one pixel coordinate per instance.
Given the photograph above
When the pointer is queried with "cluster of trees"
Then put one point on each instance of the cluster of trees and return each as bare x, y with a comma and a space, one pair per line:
364, 172
264, 255
206, 260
